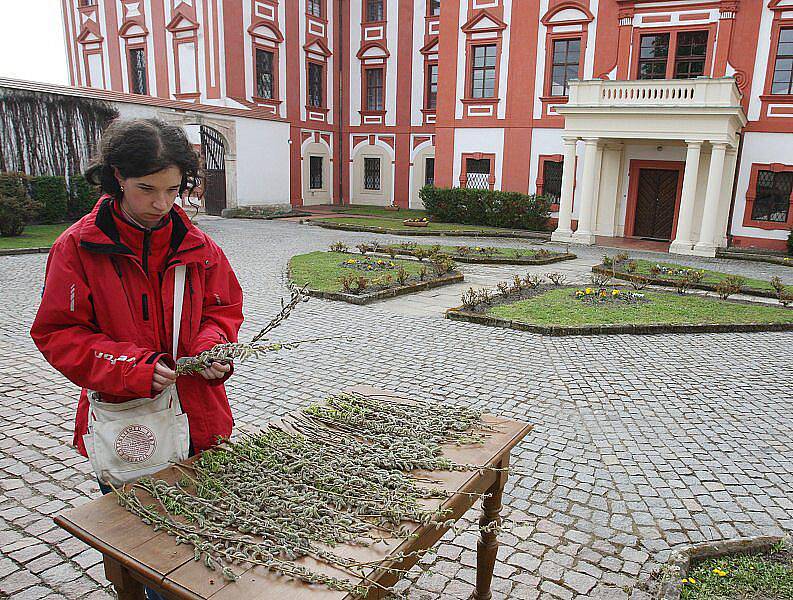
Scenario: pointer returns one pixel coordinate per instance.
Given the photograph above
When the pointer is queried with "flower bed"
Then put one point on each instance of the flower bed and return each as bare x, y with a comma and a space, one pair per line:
565, 310
736, 569
670, 275
339, 275
470, 254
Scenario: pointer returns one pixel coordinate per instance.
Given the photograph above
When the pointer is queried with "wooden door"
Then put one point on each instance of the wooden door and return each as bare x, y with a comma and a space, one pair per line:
656, 194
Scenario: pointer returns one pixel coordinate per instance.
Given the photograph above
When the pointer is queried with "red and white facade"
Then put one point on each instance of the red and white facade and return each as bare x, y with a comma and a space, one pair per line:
663, 119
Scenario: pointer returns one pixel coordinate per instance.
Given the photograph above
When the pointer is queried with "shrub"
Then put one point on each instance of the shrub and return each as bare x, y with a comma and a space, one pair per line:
82, 197
442, 265
729, 286
402, 275
17, 208
50, 192
790, 243
557, 279
338, 247
487, 207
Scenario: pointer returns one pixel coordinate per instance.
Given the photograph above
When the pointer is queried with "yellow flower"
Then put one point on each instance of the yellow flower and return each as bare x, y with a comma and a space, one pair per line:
615, 292
588, 291
719, 572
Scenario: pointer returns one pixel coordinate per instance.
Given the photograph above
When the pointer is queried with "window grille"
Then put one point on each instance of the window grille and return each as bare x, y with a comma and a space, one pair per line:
315, 85
374, 10
772, 196
137, 65
429, 171
552, 179
315, 173
371, 173
264, 74
477, 173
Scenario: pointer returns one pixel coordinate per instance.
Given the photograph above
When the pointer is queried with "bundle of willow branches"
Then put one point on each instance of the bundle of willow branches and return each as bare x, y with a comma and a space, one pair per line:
241, 351
334, 474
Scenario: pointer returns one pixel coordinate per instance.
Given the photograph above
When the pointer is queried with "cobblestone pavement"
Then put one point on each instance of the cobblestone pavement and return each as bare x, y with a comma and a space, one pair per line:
640, 444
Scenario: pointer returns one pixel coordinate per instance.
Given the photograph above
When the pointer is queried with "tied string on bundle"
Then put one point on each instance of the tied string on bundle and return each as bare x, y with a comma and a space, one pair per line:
225, 353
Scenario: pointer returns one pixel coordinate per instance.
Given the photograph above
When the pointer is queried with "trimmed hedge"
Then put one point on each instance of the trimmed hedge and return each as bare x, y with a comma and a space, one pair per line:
82, 198
50, 191
58, 203
511, 210
790, 243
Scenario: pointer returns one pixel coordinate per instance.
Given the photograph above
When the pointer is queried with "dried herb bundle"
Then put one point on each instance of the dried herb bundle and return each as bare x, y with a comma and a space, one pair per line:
242, 351
334, 474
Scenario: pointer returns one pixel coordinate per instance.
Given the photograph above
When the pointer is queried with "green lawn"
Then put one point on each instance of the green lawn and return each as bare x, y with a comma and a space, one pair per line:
740, 578
321, 270
379, 211
711, 277
34, 236
559, 307
397, 224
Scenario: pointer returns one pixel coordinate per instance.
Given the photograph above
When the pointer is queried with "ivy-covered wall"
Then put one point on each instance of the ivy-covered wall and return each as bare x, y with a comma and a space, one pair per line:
48, 134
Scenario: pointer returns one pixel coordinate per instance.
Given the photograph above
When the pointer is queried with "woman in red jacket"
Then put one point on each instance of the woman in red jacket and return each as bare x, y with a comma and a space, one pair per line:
106, 314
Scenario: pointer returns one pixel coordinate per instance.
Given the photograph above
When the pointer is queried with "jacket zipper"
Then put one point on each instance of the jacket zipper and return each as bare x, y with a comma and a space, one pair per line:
145, 306
146, 251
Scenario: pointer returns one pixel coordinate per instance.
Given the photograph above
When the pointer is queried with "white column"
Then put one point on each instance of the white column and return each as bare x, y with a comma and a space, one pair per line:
564, 229
706, 245
683, 243
583, 234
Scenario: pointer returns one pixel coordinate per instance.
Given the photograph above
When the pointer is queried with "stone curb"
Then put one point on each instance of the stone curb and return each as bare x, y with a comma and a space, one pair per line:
421, 232
679, 563
486, 261
773, 260
460, 314
361, 299
670, 283
16, 251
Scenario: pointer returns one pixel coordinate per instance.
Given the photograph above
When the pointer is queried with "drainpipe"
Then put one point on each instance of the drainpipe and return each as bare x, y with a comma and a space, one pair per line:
340, 114
734, 189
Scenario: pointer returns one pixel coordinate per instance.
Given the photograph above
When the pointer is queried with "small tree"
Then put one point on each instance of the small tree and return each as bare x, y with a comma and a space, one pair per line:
17, 209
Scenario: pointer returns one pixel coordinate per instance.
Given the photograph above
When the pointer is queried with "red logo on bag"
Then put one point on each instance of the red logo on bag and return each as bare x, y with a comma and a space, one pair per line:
135, 444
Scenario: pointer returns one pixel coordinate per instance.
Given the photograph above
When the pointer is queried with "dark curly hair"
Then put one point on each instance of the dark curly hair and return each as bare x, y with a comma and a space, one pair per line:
139, 147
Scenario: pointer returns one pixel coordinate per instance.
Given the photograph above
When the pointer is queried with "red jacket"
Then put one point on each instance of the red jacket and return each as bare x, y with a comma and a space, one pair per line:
106, 314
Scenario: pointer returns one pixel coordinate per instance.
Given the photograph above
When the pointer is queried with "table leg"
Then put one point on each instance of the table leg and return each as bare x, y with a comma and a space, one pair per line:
487, 546
125, 585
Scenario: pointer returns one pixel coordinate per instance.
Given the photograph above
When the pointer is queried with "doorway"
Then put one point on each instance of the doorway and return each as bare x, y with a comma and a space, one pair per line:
214, 155
654, 199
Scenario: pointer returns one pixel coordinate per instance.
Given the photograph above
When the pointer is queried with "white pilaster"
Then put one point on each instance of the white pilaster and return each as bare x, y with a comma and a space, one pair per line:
706, 245
583, 234
564, 229
682, 244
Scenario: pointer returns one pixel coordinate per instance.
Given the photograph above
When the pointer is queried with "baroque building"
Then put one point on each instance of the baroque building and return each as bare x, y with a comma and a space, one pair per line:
656, 119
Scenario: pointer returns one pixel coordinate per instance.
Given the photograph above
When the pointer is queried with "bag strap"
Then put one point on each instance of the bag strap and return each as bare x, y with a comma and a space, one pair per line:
178, 299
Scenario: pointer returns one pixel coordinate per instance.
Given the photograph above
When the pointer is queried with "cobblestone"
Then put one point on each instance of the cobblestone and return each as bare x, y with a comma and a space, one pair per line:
641, 444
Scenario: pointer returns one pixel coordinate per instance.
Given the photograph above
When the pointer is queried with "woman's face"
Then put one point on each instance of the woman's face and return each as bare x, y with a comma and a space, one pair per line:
149, 198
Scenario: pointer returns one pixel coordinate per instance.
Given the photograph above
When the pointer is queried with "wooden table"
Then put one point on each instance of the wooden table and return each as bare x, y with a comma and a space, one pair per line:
135, 555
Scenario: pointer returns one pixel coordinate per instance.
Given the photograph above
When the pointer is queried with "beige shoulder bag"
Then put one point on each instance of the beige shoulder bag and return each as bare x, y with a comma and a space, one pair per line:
128, 440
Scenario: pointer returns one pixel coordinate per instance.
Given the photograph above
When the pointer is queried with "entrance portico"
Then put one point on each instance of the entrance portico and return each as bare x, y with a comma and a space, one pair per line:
658, 160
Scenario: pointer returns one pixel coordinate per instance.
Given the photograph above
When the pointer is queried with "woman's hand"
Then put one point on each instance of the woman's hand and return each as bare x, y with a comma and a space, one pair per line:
163, 377
215, 371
